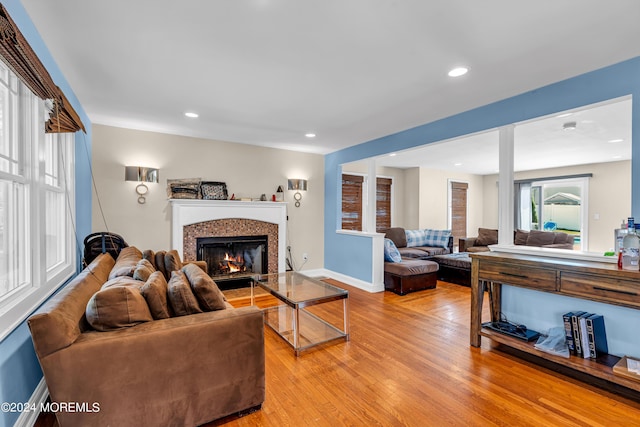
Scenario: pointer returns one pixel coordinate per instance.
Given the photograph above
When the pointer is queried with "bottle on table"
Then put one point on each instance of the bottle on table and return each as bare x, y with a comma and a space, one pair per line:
631, 248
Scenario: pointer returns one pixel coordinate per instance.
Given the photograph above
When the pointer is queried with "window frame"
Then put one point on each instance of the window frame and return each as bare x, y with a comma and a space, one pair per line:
41, 282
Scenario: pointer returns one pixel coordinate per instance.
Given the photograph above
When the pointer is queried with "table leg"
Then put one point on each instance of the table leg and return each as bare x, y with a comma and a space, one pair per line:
345, 309
477, 296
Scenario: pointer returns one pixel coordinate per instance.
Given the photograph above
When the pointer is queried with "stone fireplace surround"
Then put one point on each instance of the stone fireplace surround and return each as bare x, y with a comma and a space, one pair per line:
191, 219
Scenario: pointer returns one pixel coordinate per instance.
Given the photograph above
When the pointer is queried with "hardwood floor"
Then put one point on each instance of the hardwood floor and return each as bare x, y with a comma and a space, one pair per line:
409, 363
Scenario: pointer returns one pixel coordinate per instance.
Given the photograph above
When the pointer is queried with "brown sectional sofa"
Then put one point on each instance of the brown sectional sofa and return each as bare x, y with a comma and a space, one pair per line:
543, 239
178, 371
399, 237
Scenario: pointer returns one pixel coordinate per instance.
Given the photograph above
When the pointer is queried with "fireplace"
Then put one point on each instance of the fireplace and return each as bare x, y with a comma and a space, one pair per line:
231, 257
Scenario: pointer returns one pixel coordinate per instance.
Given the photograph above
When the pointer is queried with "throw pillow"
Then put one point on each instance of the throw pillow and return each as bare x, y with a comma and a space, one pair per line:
437, 238
117, 307
143, 270
160, 264
126, 262
122, 281
154, 292
150, 256
391, 252
540, 238
486, 237
172, 261
180, 296
415, 238
204, 288
560, 237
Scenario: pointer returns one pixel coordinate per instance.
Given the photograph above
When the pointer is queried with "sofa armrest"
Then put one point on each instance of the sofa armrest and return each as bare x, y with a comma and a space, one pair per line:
187, 370
466, 242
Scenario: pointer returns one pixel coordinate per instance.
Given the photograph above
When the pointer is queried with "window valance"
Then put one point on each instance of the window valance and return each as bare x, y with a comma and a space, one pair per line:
23, 61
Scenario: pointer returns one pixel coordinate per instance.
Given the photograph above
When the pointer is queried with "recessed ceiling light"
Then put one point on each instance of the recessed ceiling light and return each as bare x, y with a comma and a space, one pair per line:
615, 140
392, 155
310, 135
457, 72
564, 115
192, 115
457, 164
616, 157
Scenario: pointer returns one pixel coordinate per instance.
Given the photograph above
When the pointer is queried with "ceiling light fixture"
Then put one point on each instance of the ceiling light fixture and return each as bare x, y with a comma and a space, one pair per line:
564, 115
569, 126
191, 115
613, 141
457, 72
392, 155
310, 135
457, 164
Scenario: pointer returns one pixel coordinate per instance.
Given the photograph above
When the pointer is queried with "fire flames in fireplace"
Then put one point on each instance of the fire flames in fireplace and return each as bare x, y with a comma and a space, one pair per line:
232, 264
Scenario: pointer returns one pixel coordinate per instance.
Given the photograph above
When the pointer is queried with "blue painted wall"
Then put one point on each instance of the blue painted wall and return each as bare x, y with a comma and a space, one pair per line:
535, 309
19, 368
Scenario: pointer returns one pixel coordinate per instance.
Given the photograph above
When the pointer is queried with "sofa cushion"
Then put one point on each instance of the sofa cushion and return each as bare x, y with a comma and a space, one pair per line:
410, 267
172, 261
437, 238
486, 237
204, 288
391, 253
143, 270
416, 238
473, 249
126, 262
117, 307
540, 238
398, 236
520, 237
560, 237
150, 256
180, 296
154, 292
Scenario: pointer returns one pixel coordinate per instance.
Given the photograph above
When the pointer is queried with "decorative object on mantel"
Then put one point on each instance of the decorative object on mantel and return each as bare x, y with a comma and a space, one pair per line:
280, 194
297, 185
212, 190
141, 174
263, 197
183, 188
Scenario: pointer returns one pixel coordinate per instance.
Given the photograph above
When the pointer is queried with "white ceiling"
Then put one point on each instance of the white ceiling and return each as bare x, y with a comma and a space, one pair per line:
602, 134
266, 72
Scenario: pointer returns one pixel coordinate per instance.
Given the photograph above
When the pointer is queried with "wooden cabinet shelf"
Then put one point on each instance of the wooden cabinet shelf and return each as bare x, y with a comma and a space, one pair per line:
601, 282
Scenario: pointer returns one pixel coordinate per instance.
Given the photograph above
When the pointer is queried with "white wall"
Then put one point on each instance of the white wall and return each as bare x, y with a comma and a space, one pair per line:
434, 193
249, 171
609, 198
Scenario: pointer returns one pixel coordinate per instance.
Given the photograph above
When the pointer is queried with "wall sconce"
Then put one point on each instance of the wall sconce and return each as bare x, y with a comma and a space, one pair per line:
141, 174
297, 185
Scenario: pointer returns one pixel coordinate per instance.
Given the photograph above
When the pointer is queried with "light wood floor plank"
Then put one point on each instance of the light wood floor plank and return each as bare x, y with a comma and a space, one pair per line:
409, 363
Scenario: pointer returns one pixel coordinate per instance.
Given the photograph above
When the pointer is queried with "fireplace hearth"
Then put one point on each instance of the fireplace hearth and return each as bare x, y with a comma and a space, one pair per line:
232, 260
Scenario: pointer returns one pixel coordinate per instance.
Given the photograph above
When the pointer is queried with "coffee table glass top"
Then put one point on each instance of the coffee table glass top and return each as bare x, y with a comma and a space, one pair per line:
296, 289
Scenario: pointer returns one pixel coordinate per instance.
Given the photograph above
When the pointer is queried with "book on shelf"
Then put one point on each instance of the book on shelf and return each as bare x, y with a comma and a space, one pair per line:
597, 335
584, 335
568, 331
575, 329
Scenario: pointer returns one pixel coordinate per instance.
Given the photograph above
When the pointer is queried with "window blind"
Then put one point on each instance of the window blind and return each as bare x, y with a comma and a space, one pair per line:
383, 204
23, 61
352, 202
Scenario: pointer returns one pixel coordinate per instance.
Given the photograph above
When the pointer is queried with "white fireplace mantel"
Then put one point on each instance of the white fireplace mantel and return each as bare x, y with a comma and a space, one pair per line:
187, 212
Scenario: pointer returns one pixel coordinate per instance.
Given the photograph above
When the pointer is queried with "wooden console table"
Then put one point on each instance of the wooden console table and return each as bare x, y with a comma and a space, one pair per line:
595, 281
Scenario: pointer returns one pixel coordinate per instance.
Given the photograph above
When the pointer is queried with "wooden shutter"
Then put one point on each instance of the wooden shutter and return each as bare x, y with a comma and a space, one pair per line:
383, 204
352, 202
459, 210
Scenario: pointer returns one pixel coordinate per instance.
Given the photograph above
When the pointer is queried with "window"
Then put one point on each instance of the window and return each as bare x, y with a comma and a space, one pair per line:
354, 198
36, 203
352, 202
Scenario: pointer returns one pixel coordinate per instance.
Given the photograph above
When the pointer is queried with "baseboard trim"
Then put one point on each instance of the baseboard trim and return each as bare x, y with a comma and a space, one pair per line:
37, 400
352, 281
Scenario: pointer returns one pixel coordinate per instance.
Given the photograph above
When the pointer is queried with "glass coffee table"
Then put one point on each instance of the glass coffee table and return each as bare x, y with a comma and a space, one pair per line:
292, 318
